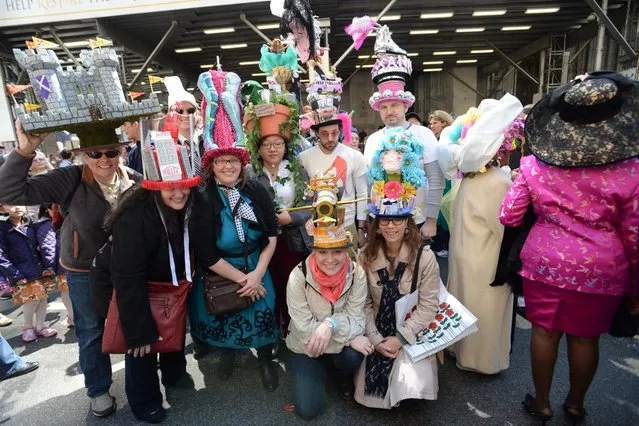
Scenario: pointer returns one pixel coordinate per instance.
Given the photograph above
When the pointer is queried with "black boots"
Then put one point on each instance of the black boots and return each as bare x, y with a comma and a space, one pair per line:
227, 363
268, 368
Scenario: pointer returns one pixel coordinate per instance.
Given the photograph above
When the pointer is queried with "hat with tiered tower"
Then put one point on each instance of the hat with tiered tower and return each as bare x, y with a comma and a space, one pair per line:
87, 101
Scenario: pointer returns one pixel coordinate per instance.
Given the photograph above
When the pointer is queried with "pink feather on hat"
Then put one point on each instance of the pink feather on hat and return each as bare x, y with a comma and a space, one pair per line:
346, 126
359, 29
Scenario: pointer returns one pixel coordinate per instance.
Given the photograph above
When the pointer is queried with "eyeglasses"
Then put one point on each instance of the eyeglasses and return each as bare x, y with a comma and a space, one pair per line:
276, 145
96, 155
384, 221
221, 162
187, 110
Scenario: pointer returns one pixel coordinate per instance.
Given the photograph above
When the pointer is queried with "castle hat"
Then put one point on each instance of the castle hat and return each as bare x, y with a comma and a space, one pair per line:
87, 100
395, 174
166, 165
591, 121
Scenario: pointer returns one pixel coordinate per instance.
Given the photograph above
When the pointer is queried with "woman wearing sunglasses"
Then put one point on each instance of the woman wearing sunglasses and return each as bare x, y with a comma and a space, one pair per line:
85, 194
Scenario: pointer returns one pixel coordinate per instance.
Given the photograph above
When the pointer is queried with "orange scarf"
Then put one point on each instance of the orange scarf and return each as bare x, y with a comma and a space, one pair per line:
331, 286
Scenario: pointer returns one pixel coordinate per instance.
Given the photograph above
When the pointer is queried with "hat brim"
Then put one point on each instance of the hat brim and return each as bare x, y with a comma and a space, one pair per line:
98, 147
584, 144
212, 154
314, 247
327, 123
378, 98
152, 185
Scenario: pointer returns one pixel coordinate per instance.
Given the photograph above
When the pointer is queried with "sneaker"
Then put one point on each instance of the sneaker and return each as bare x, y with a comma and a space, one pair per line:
29, 335
46, 332
5, 321
103, 405
442, 253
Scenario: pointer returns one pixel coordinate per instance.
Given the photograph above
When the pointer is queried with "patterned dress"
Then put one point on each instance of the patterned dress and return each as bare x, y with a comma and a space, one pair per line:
253, 327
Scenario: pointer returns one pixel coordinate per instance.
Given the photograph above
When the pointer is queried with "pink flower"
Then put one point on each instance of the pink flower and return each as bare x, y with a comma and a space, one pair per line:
393, 190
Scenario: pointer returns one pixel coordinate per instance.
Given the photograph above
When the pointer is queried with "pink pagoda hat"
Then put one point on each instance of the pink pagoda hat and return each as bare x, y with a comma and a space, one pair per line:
391, 71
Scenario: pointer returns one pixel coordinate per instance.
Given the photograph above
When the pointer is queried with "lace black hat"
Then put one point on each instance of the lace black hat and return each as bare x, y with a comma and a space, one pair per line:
592, 121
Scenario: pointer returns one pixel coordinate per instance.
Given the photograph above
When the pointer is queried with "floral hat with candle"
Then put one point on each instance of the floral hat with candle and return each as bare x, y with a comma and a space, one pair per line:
395, 174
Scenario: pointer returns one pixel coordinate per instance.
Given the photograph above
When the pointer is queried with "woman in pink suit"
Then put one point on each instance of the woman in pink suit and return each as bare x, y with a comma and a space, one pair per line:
582, 255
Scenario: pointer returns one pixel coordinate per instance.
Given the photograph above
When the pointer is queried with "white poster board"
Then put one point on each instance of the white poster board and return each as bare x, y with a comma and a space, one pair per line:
25, 12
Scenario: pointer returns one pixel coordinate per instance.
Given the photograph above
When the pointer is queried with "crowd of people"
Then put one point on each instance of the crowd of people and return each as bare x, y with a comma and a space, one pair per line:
264, 240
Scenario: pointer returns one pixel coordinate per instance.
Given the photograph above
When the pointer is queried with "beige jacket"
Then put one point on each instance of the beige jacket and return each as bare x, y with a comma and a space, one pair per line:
428, 285
308, 308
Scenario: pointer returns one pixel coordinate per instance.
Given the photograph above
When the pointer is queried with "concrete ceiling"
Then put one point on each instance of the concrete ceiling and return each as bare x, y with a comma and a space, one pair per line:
135, 36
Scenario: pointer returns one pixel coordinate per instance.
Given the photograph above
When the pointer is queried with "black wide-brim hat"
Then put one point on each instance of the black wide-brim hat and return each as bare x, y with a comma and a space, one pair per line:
589, 122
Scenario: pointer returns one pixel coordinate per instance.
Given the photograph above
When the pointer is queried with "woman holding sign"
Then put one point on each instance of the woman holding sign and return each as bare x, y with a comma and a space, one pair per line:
396, 265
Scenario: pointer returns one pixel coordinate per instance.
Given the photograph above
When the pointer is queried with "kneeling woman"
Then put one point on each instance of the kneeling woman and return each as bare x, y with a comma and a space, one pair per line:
325, 297
395, 266
236, 238
150, 243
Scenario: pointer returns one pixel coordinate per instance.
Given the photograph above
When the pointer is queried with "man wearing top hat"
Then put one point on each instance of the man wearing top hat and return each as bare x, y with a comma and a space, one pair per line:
331, 158
390, 72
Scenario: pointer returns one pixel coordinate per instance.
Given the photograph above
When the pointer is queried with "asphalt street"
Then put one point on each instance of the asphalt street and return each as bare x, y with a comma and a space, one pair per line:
55, 394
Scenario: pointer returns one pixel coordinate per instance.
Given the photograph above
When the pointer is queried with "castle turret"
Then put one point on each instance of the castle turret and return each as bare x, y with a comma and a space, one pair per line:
42, 67
103, 64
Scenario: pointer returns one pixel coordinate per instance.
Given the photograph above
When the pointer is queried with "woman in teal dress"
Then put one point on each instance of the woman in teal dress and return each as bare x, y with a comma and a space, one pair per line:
235, 216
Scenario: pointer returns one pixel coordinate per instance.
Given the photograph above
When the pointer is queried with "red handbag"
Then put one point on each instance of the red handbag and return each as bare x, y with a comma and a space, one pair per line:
168, 307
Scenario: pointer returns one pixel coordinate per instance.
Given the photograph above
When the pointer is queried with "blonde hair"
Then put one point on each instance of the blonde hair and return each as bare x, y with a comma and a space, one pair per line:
441, 116
39, 155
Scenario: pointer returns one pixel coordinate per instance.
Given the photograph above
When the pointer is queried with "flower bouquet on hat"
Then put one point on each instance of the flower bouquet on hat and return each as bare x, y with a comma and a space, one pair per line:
395, 174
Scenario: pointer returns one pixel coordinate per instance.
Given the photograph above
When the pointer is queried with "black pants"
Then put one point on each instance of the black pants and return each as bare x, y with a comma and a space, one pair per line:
142, 384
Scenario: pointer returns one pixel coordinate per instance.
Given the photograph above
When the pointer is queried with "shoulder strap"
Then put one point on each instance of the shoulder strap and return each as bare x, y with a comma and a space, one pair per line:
304, 272
413, 286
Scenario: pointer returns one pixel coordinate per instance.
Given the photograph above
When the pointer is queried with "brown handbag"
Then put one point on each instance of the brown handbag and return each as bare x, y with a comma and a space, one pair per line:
168, 308
220, 294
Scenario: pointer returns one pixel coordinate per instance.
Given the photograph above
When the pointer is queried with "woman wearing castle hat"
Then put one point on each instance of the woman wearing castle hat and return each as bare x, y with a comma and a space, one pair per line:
86, 194
150, 257
581, 256
237, 234
388, 375
325, 296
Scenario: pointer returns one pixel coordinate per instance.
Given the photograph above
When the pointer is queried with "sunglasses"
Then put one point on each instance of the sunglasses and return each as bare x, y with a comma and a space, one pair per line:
96, 155
187, 110
384, 221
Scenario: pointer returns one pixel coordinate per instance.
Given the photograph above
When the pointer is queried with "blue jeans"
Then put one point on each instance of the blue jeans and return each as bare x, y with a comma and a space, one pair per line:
309, 377
89, 327
10, 362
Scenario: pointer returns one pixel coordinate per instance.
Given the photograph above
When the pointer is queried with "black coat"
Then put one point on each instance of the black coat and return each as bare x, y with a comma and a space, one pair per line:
139, 252
207, 219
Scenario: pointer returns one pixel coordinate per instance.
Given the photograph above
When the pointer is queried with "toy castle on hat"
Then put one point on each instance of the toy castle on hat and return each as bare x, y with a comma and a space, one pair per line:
86, 101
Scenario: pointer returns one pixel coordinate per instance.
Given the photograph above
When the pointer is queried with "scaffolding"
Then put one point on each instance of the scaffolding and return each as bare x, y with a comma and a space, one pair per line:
557, 63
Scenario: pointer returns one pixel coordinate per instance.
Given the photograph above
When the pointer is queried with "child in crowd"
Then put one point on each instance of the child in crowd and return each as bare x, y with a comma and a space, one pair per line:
22, 244
48, 229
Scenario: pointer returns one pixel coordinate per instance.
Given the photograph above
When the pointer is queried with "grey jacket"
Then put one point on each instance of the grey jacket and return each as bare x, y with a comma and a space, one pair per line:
80, 198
